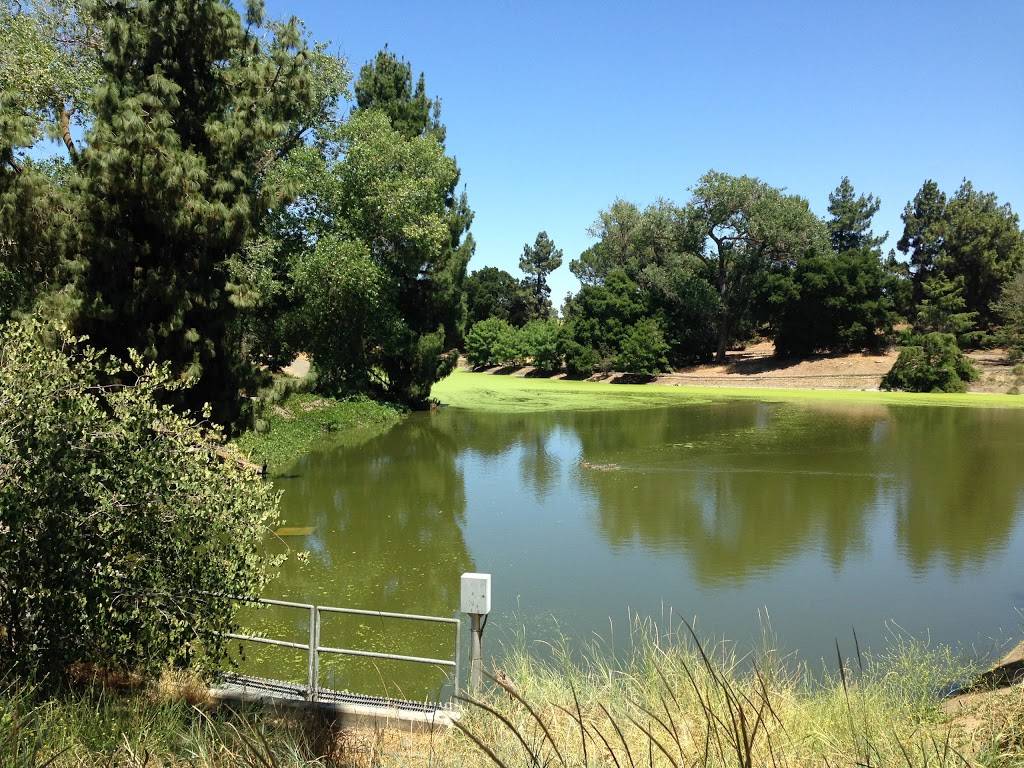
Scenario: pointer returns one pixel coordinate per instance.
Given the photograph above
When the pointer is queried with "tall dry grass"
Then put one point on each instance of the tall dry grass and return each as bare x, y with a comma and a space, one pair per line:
667, 700
675, 701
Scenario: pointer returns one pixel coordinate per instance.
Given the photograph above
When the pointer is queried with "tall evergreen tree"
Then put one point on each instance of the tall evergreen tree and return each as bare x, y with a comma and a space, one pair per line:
386, 84
850, 223
924, 233
537, 262
192, 105
969, 237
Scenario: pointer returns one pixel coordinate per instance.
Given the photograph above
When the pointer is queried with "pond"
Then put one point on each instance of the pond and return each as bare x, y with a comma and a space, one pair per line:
817, 518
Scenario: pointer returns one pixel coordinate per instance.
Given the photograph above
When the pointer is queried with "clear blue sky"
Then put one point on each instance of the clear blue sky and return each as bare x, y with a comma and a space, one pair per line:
554, 109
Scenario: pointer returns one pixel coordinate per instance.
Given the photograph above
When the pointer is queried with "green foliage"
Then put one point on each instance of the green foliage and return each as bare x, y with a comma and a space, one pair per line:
840, 301
540, 340
746, 227
1009, 308
850, 224
836, 302
117, 516
580, 360
192, 107
643, 349
303, 422
943, 309
631, 240
493, 292
376, 276
970, 236
934, 365
537, 262
385, 85
598, 318
49, 64
491, 342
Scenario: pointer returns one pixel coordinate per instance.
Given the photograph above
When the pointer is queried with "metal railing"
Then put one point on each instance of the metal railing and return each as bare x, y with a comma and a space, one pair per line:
313, 648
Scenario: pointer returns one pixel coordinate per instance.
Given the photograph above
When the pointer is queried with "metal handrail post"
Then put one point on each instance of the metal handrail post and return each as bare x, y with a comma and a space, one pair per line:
314, 659
458, 656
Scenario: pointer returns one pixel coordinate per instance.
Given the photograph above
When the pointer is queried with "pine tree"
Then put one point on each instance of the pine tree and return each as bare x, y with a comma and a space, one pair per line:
537, 262
191, 108
850, 225
924, 233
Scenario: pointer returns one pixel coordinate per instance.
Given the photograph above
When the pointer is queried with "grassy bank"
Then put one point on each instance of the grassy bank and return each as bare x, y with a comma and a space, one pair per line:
669, 702
302, 422
482, 391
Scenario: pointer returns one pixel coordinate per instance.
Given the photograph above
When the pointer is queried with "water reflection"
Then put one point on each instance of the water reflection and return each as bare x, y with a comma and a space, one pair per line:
828, 514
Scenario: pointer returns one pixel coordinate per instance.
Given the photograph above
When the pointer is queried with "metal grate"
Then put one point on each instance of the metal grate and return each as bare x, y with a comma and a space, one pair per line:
283, 690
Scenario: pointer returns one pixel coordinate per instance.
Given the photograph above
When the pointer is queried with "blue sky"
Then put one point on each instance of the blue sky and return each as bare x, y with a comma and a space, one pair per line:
554, 109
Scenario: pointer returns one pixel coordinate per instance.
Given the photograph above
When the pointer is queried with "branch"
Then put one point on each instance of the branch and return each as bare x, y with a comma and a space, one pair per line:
65, 133
8, 157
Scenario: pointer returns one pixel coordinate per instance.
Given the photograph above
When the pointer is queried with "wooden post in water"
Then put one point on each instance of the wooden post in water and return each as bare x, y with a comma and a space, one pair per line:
476, 601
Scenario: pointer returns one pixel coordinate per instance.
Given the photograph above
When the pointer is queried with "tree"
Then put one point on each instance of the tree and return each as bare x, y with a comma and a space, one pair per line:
835, 302
492, 342
632, 239
838, 301
924, 233
1010, 310
599, 316
540, 340
655, 248
984, 246
493, 292
122, 528
943, 309
643, 349
970, 236
50, 54
537, 262
385, 85
850, 223
745, 227
386, 195
934, 365
192, 107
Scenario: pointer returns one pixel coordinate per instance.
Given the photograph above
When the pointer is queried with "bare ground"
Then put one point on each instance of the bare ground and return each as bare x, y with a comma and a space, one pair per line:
757, 366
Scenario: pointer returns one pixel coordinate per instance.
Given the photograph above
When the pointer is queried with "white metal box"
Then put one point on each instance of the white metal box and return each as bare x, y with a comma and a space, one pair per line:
476, 593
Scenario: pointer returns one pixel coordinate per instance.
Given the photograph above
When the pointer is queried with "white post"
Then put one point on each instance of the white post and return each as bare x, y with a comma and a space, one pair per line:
476, 601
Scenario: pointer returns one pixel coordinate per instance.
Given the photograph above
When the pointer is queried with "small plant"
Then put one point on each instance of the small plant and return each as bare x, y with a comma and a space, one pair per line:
936, 364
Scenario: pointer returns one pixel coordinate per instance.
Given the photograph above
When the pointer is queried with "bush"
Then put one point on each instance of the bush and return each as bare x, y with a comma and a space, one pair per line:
540, 340
644, 349
934, 365
117, 516
492, 342
580, 360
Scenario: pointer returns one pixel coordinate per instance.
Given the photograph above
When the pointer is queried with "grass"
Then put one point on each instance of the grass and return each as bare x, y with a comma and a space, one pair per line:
666, 701
482, 391
302, 422
674, 702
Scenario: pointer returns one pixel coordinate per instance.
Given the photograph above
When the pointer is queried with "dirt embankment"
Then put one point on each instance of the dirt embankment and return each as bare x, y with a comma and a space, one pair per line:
757, 366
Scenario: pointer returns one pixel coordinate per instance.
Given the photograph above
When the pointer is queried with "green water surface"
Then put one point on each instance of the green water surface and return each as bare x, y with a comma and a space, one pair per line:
817, 517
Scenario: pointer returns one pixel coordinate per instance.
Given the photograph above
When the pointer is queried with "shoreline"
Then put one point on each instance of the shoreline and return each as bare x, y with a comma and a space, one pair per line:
490, 390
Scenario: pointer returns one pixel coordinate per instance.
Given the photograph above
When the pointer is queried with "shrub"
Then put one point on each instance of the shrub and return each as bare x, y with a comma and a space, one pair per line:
540, 340
492, 342
934, 365
117, 516
580, 360
643, 349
